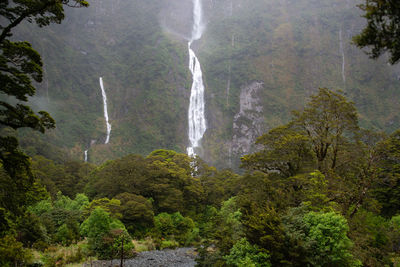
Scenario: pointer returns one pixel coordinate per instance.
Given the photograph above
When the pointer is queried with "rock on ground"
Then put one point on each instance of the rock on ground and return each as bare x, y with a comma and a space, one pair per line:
180, 257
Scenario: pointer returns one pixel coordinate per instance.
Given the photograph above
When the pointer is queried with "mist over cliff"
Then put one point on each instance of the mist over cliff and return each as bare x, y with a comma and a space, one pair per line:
260, 60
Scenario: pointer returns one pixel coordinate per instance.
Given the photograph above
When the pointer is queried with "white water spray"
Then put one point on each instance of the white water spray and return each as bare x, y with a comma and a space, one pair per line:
86, 151
343, 57
105, 110
196, 117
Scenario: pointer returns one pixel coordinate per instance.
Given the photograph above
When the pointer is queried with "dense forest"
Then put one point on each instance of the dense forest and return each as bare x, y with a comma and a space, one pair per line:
318, 190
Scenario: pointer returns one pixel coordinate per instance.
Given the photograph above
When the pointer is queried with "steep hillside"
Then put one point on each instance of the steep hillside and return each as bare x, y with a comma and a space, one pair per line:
264, 59
260, 59
144, 76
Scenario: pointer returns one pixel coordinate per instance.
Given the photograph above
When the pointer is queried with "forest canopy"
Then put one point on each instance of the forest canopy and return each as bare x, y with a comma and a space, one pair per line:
320, 191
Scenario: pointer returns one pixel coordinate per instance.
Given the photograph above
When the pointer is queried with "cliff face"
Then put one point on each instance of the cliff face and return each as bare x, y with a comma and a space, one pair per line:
248, 123
260, 59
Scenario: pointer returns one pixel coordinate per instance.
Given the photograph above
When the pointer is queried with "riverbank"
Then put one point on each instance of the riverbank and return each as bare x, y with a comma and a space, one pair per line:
180, 257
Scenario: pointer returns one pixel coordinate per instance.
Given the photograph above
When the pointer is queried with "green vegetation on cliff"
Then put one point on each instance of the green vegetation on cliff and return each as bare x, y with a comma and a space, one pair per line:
140, 50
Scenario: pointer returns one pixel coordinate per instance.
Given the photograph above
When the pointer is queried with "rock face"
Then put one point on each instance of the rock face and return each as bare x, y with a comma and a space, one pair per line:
248, 123
180, 257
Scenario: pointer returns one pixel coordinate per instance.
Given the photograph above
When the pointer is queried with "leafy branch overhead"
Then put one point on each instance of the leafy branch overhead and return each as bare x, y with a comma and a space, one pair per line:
43, 12
382, 32
20, 64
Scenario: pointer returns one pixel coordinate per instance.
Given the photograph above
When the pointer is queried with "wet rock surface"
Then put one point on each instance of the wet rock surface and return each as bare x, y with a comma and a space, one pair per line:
248, 124
180, 257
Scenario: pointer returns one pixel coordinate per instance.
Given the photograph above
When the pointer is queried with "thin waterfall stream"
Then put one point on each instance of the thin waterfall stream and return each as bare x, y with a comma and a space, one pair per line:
108, 125
343, 57
103, 93
196, 116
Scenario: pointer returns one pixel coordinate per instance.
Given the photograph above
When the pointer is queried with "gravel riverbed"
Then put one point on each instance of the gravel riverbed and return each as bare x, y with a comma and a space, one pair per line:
180, 257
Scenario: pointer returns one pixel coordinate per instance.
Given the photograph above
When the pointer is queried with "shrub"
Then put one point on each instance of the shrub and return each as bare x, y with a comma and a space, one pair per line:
243, 254
175, 226
318, 239
169, 244
106, 235
12, 252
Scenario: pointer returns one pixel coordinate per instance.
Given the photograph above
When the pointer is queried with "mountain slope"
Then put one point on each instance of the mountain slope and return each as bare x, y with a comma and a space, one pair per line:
260, 60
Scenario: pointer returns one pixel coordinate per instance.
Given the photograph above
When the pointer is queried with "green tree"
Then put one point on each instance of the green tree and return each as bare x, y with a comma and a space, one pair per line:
79, 171
112, 206
310, 189
12, 252
394, 233
117, 244
137, 213
371, 235
18, 191
324, 136
218, 185
228, 225
381, 33
317, 239
284, 150
331, 246
263, 228
316, 138
53, 176
243, 254
260, 188
329, 121
70, 177
58, 220
164, 176
223, 230
65, 235
357, 173
387, 190
101, 230
30, 230
174, 226
171, 184
127, 174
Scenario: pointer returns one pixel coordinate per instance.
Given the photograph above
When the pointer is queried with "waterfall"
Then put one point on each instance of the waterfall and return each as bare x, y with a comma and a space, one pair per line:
343, 57
196, 117
86, 151
103, 93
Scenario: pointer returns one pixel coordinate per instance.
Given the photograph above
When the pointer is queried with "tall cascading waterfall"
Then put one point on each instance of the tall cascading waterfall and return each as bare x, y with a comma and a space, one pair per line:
103, 93
86, 151
343, 57
196, 116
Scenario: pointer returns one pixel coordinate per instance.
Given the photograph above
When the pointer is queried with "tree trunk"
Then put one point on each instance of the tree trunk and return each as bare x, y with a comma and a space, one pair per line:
122, 253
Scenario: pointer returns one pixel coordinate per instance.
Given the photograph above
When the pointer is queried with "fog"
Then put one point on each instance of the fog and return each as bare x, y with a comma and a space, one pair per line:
139, 47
